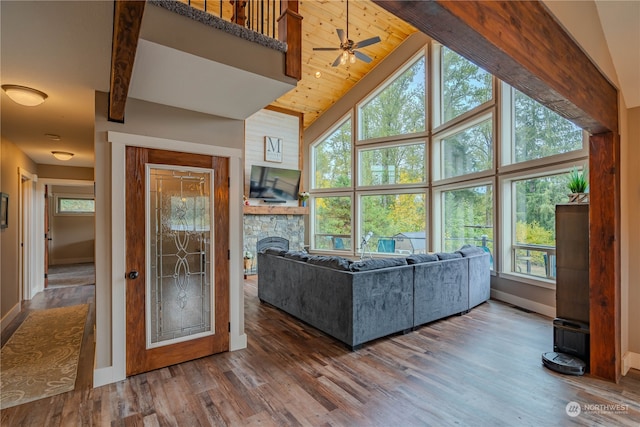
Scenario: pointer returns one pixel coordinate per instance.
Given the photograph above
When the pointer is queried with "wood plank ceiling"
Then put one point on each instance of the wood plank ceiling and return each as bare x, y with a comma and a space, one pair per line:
321, 18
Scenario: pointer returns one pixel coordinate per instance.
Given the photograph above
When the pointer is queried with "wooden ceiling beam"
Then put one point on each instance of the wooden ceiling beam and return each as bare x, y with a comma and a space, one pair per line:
127, 21
521, 43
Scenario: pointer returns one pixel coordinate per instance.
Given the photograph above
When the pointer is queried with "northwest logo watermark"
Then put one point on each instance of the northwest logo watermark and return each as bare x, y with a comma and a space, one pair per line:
573, 409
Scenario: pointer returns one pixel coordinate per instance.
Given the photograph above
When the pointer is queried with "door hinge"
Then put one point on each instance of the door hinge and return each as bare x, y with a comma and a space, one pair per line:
229, 181
45, 275
228, 254
229, 326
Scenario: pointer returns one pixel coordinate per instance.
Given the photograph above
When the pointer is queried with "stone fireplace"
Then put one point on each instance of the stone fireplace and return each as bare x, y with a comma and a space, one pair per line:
261, 222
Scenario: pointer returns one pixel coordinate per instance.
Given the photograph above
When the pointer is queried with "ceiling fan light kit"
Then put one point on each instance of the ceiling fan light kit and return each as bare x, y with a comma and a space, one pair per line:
348, 47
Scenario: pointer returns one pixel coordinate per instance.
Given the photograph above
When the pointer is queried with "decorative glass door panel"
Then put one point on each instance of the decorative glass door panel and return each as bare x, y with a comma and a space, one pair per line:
179, 298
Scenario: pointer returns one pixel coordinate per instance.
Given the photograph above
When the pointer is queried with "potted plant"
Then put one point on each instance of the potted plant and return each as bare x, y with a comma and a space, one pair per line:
302, 197
578, 185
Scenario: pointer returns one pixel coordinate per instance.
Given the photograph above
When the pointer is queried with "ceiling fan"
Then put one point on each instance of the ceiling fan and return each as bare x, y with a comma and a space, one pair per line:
348, 46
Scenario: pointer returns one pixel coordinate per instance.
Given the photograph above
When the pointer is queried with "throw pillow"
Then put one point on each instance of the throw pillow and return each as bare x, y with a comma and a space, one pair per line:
468, 250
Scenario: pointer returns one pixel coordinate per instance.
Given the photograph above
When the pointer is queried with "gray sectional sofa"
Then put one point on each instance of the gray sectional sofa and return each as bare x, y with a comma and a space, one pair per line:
359, 301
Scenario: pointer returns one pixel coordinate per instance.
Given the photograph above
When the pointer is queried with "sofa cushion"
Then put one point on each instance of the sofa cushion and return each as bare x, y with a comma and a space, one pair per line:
377, 263
448, 255
297, 255
420, 258
468, 250
274, 251
335, 262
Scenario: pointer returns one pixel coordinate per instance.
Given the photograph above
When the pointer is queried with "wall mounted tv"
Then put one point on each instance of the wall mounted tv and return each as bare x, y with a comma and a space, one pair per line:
274, 184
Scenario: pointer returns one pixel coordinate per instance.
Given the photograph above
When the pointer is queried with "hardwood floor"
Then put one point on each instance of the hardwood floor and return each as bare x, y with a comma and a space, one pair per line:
480, 369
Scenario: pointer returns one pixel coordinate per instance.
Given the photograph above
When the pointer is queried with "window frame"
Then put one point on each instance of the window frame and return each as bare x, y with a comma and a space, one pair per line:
59, 197
392, 144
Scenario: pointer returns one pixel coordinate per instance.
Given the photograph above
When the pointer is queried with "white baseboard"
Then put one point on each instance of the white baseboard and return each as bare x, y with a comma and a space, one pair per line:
104, 376
546, 310
15, 310
238, 342
630, 360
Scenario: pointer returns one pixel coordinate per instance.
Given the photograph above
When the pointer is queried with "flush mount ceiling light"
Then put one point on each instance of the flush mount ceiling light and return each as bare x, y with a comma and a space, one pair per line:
23, 95
62, 155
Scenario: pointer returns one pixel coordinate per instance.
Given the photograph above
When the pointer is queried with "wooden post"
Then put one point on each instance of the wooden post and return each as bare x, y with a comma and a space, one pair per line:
604, 255
127, 21
239, 12
290, 32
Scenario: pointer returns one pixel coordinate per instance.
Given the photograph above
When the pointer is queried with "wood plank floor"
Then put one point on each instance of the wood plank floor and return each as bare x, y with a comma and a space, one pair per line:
480, 369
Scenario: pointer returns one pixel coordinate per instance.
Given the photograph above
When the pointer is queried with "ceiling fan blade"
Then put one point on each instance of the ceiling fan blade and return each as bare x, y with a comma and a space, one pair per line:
367, 42
341, 35
326, 48
337, 61
361, 56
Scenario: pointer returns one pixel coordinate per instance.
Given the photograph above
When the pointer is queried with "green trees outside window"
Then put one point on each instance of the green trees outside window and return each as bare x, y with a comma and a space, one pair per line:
399, 109
468, 217
332, 159
401, 164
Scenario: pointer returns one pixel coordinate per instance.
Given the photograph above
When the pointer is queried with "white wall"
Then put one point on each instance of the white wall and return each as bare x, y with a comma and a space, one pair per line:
72, 236
275, 124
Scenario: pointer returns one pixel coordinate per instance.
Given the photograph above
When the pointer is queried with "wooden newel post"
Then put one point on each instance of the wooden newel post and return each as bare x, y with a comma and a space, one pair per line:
290, 32
239, 13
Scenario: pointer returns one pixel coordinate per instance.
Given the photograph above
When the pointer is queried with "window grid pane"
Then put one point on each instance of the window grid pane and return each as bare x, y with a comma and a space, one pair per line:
535, 222
397, 221
540, 132
399, 109
464, 85
404, 164
468, 218
332, 223
468, 151
332, 159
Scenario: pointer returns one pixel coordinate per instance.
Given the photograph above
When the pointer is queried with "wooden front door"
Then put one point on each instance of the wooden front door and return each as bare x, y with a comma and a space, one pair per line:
177, 240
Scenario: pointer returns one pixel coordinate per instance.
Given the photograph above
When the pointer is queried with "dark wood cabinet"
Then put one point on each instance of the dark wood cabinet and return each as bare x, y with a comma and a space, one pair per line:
572, 262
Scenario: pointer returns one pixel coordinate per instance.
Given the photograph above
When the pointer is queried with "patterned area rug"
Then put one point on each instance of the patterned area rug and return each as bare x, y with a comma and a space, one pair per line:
41, 357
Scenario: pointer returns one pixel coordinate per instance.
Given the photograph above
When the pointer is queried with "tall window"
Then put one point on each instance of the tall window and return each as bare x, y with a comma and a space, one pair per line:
399, 108
332, 159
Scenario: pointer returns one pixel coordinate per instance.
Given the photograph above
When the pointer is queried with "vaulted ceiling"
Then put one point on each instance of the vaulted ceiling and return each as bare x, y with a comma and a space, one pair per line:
314, 95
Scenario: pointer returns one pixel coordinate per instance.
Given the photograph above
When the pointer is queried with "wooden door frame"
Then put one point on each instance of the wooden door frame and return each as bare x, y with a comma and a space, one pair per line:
112, 285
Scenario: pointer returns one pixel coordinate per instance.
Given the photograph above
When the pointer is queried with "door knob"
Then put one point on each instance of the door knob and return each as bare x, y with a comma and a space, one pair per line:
132, 274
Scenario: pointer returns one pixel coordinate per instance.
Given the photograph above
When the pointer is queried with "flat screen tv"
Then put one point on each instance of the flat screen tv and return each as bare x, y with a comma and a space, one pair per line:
274, 184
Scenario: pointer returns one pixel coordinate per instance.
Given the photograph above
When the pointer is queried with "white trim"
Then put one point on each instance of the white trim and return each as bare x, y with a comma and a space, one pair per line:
28, 251
119, 141
546, 310
630, 360
528, 279
6, 320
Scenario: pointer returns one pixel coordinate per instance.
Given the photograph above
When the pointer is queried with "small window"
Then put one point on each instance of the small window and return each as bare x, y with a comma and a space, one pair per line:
75, 205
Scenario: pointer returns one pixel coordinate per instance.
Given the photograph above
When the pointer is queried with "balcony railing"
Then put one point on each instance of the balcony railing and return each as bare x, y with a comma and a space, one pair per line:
260, 16
534, 260
274, 19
